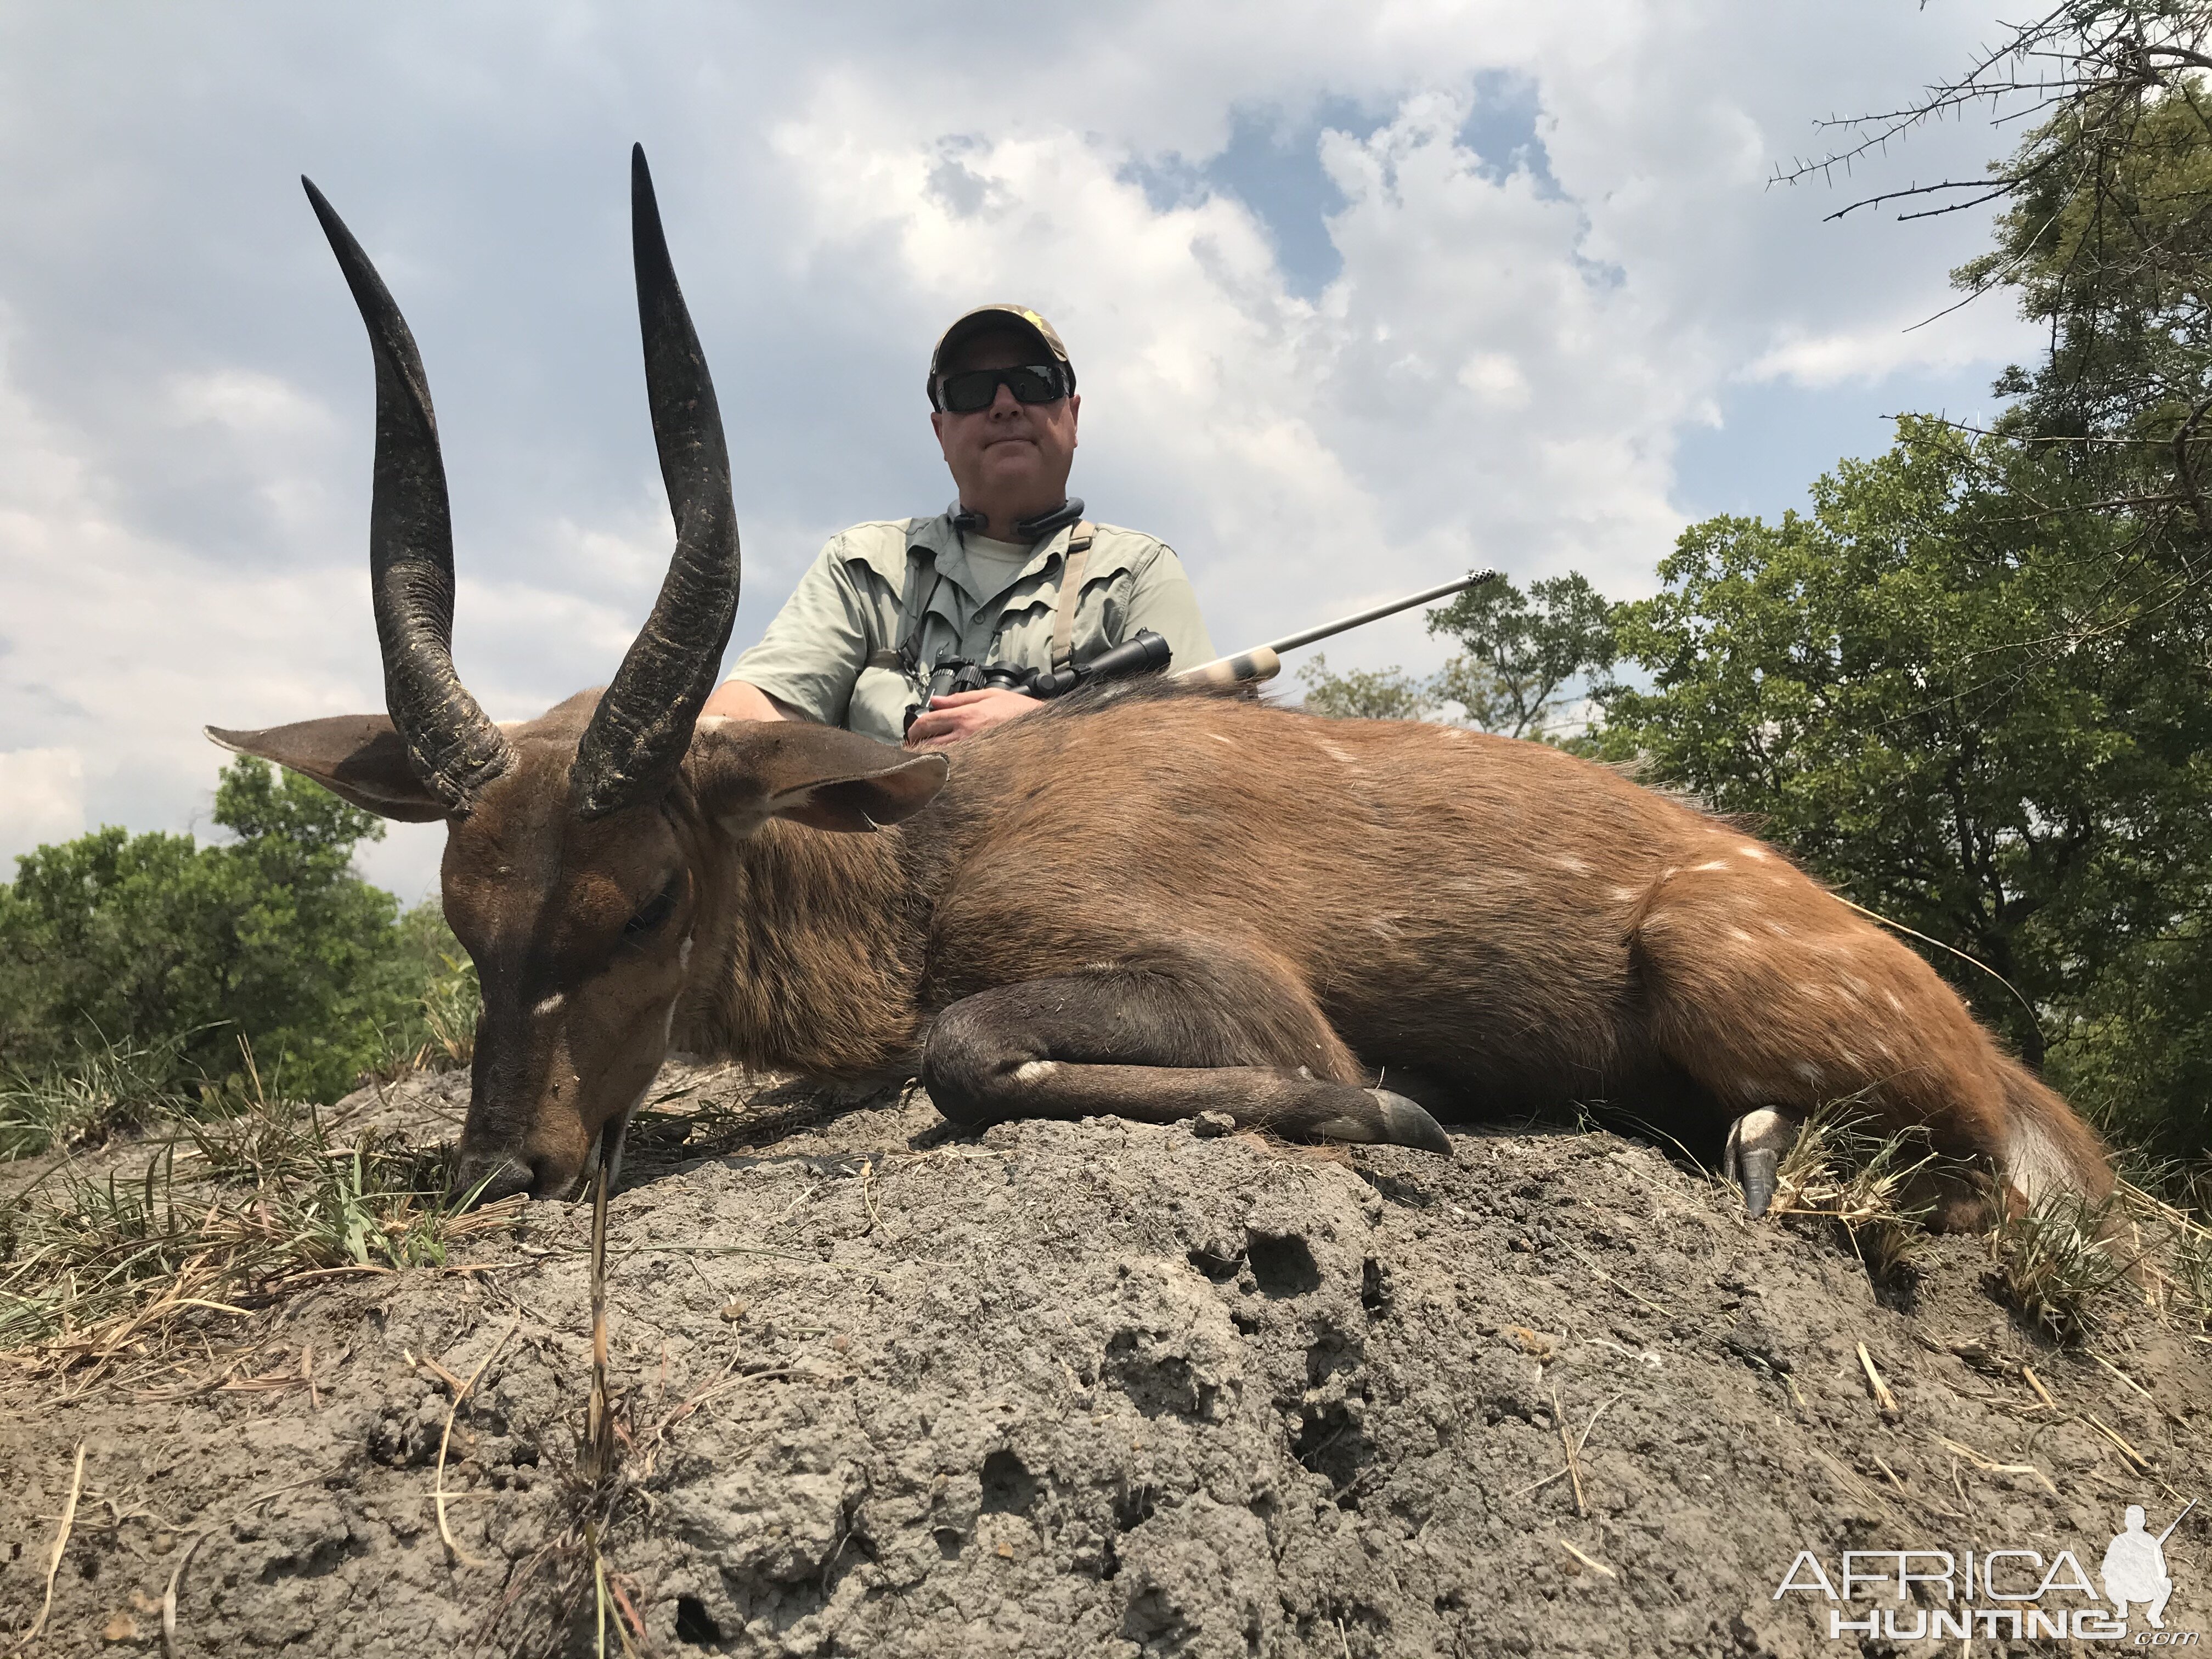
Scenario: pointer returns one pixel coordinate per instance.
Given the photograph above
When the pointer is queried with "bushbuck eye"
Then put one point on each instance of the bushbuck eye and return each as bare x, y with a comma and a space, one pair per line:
655, 912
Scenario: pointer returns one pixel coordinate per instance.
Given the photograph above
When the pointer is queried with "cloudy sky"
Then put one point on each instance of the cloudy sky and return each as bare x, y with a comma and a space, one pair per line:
1360, 295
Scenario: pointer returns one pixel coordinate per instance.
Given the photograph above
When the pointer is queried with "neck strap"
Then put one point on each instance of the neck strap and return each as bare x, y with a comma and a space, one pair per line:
969, 522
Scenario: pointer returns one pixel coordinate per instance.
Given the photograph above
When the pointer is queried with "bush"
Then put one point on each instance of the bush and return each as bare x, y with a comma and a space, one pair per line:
153, 944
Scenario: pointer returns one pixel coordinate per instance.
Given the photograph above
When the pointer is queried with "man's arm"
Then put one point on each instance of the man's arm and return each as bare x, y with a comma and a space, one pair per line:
1162, 599
734, 700
807, 660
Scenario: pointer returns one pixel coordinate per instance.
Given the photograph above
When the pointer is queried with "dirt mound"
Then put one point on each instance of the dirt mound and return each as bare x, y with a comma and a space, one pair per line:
1097, 1389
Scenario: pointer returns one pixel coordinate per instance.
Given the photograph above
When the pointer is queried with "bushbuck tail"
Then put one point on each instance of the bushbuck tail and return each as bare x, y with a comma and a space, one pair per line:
1139, 901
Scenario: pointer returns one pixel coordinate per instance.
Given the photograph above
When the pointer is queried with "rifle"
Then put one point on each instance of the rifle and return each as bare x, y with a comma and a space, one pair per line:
1146, 650
1264, 662
2177, 1521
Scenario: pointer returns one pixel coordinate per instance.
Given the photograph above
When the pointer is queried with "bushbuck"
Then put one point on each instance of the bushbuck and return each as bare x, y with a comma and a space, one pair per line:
1142, 901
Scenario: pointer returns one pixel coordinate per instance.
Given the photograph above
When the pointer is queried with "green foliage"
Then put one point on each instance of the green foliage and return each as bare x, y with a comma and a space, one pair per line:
1527, 661
1363, 694
115, 942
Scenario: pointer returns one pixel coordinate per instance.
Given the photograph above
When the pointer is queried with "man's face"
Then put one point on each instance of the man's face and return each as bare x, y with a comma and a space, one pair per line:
1010, 455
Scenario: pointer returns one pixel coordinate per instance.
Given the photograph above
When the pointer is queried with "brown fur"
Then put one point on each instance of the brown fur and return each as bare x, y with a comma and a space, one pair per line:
1516, 925
1180, 900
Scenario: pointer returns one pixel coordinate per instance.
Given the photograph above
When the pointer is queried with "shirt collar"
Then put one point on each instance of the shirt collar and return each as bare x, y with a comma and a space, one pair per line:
944, 542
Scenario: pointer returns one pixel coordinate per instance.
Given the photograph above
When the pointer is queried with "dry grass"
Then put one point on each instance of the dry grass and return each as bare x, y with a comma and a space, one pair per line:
2053, 1264
2056, 1261
2168, 1253
1873, 1186
229, 1211
553, 1583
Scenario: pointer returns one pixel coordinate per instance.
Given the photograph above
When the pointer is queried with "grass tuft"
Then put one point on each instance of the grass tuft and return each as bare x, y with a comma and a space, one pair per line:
229, 1209
101, 1091
440, 1033
2052, 1263
1868, 1181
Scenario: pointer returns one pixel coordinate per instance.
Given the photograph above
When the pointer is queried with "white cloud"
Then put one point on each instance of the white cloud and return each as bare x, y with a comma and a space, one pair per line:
41, 797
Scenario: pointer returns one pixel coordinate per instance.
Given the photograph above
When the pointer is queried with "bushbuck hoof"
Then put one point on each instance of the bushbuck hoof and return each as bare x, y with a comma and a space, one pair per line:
1756, 1142
1397, 1122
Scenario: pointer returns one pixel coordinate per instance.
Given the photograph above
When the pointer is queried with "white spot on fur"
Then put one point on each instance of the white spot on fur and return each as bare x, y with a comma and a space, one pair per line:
1763, 1131
1335, 752
1778, 930
1809, 1072
1891, 996
1713, 864
1217, 737
550, 1006
1034, 1071
1752, 852
1739, 936
1384, 927
1573, 866
1625, 895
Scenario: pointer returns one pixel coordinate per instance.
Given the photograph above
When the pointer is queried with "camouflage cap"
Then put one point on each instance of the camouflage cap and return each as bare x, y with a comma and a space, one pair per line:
988, 318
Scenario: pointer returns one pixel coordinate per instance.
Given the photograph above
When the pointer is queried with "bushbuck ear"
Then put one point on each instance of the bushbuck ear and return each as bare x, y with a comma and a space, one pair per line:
358, 758
745, 771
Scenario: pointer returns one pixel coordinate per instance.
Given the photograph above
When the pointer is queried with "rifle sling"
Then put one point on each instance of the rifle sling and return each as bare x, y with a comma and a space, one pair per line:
1070, 591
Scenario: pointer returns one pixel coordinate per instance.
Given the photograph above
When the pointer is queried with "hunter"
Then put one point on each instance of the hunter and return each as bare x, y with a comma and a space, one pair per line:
1011, 575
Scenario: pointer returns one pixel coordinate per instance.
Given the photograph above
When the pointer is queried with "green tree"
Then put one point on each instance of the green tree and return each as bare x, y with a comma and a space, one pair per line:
1363, 694
1527, 662
2104, 237
272, 936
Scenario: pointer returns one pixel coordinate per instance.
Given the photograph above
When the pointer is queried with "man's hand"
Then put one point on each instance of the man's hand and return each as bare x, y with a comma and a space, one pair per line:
962, 714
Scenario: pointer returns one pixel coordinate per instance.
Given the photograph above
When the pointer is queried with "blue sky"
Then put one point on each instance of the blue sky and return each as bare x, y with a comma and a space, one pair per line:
1360, 296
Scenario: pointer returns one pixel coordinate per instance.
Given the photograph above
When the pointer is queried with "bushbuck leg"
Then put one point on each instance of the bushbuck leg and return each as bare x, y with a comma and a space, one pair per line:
1780, 1000
1756, 1142
1164, 1036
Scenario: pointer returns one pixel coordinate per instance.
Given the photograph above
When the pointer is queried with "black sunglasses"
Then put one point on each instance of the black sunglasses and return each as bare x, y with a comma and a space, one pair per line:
972, 389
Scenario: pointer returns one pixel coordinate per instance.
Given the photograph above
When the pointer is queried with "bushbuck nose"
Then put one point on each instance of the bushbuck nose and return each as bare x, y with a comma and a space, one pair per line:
485, 1178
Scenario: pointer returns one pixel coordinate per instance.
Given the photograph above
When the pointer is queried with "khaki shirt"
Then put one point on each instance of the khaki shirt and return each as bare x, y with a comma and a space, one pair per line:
828, 653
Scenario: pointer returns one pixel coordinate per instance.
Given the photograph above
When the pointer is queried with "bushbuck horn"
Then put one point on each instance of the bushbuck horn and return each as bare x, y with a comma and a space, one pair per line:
453, 747
642, 725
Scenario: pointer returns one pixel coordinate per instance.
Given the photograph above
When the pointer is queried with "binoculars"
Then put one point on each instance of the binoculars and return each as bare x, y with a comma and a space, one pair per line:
1142, 652
956, 674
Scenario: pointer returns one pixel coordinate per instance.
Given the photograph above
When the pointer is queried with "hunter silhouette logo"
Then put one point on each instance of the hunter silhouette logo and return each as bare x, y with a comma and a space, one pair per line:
2135, 1566
1935, 1594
